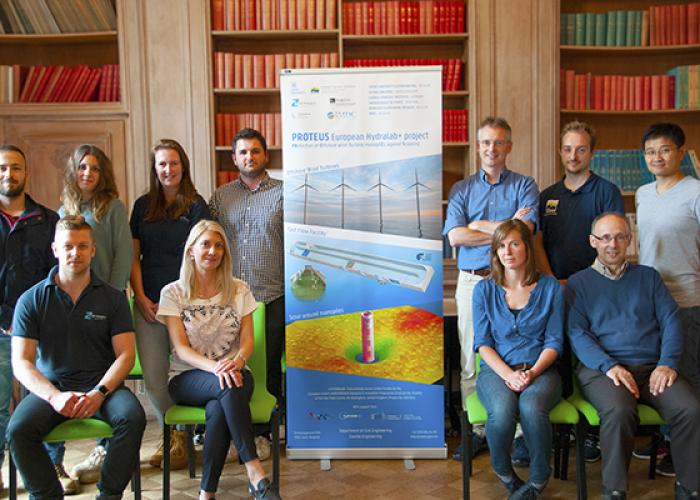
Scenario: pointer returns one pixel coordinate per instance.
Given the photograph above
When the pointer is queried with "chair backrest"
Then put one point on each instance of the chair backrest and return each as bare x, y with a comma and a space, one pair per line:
262, 402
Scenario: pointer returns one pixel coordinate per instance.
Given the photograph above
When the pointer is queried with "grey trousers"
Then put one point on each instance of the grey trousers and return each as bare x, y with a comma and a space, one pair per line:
678, 405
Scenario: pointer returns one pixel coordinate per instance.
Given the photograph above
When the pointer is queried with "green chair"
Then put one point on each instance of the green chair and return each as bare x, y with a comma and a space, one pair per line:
263, 409
73, 430
648, 417
563, 416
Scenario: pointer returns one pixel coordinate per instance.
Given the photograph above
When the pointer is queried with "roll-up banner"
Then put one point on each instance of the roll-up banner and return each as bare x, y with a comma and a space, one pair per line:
362, 156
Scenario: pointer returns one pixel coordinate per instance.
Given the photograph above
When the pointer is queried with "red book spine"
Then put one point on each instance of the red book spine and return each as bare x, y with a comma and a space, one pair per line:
460, 17
116, 81
320, 14
331, 15
91, 89
269, 71
581, 88
599, 98
67, 76
292, 14
248, 71
230, 122
102, 93
74, 86
661, 21
217, 15
258, 71
683, 24
237, 71
646, 92
655, 92
228, 82
218, 70
41, 83
345, 25
569, 84
671, 91
638, 93
625, 91
311, 13
219, 126
668, 25
606, 92
693, 23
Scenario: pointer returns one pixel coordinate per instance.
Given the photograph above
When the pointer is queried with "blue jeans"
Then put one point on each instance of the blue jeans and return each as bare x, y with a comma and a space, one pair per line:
227, 418
532, 407
34, 418
5, 390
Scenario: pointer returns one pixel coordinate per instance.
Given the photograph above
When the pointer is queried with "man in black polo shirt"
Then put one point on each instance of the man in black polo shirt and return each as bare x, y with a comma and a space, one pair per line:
81, 329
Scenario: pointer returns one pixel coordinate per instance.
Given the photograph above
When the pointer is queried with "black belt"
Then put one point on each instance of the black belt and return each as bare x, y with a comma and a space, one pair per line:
478, 272
520, 367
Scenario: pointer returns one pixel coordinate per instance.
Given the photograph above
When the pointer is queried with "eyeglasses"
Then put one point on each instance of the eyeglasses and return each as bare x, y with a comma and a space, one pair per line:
619, 238
498, 143
663, 151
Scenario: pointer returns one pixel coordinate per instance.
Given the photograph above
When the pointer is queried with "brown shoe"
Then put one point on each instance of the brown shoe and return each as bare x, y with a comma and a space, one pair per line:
178, 450
157, 458
70, 486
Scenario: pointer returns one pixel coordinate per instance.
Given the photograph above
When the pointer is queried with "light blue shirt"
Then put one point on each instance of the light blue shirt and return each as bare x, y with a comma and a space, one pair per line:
475, 199
521, 339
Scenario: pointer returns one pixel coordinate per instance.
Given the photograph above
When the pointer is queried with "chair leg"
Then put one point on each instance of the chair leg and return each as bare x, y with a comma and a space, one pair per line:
136, 479
566, 433
557, 451
189, 435
275, 424
166, 462
655, 438
466, 437
581, 487
13, 478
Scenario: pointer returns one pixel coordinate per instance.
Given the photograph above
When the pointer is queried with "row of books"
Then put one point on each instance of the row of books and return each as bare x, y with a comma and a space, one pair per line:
659, 25
261, 71
627, 169
617, 92
455, 125
28, 17
687, 86
244, 15
59, 83
226, 176
451, 68
396, 17
269, 124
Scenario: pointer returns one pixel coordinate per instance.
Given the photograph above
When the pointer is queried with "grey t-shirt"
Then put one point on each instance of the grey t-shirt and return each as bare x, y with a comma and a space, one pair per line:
669, 237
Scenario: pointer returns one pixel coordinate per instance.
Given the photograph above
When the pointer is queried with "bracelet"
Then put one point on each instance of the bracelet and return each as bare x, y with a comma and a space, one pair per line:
239, 355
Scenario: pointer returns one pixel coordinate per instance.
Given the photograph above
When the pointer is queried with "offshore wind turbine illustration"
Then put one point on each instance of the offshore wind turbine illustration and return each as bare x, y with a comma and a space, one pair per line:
418, 185
379, 186
306, 186
342, 187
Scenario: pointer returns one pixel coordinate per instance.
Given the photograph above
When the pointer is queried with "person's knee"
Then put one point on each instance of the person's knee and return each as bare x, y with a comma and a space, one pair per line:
533, 409
21, 429
617, 415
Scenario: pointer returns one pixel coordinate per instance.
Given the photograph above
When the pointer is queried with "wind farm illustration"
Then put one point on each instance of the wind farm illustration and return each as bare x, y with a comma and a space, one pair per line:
386, 198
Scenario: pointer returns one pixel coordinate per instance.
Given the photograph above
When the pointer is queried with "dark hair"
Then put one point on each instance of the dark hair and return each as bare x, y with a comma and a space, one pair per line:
156, 208
496, 122
73, 223
501, 232
671, 130
11, 147
248, 133
581, 128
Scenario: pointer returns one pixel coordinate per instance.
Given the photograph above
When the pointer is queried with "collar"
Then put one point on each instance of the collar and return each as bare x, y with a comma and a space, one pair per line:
504, 174
585, 187
51, 282
601, 268
263, 183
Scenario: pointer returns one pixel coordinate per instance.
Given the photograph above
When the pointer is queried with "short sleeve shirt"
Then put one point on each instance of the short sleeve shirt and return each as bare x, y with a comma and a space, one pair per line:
74, 339
213, 329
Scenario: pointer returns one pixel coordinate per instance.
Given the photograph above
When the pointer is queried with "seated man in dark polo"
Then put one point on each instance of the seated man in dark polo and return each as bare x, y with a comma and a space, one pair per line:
72, 348
625, 330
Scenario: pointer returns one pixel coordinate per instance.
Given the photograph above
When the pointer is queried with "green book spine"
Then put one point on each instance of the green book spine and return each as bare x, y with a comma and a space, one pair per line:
580, 29
621, 28
571, 29
612, 29
682, 82
631, 17
601, 27
590, 28
638, 15
562, 29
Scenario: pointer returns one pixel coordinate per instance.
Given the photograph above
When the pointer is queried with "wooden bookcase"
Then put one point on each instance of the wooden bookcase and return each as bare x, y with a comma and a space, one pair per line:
623, 129
48, 132
443, 46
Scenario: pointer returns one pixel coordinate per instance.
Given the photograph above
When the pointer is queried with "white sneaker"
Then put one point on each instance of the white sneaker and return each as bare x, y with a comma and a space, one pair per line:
262, 447
70, 485
88, 471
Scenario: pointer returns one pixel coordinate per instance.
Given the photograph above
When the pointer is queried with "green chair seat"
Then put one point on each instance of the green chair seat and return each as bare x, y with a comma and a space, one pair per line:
185, 415
79, 428
647, 414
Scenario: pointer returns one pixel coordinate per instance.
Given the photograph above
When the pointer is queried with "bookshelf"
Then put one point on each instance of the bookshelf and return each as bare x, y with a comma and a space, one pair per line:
622, 128
71, 58
333, 37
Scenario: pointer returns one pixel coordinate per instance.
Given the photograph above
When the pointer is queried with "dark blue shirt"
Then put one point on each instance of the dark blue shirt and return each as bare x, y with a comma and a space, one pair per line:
162, 244
631, 321
519, 338
75, 339
565, 221
475, 199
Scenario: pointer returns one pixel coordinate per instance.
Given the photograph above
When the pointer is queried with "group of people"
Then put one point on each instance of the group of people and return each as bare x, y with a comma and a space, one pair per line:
196, 271
633, 329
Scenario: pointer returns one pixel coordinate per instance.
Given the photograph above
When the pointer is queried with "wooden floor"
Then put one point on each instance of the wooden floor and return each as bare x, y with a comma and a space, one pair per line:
368, 479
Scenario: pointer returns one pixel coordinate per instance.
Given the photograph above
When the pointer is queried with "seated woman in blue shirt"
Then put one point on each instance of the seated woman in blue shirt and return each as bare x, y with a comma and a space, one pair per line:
518, 331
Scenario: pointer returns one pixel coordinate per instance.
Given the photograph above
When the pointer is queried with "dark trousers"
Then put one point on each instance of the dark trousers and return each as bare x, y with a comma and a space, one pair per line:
678, 405
34, 418
274, 345
227, 418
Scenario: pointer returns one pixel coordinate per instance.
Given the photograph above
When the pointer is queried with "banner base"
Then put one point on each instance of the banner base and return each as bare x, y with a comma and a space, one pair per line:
366, 453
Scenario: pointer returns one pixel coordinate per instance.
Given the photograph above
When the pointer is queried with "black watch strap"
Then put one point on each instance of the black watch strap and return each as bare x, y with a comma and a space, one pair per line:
102, 389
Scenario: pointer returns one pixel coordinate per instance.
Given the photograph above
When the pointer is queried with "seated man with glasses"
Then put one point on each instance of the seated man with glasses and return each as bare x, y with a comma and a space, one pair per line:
625, 330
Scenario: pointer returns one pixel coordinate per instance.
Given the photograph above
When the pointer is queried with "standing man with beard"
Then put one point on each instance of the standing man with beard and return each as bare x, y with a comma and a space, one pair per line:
26, 229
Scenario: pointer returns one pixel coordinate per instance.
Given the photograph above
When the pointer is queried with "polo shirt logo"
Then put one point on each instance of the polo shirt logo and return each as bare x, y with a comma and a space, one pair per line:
90, 316
551, 207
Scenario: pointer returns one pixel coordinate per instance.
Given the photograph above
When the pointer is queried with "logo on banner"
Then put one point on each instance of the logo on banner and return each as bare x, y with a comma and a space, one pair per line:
340, 115
315, 90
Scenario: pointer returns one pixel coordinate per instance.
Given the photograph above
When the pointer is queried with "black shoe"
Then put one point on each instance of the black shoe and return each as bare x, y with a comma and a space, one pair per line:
478, 445
665, 467
526, 492
614, 494
591, 448
520, 456
514, 484
644, 452
683, 494
264, 491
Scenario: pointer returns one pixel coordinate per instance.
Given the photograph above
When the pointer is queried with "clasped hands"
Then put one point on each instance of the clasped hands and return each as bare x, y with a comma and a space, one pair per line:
661, 378
229, 372
77, 404
518, 380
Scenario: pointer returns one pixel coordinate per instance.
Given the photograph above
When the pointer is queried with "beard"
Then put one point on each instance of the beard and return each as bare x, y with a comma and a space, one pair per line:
12, 191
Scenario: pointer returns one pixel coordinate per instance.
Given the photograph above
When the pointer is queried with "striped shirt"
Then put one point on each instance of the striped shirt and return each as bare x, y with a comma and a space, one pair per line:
253, 222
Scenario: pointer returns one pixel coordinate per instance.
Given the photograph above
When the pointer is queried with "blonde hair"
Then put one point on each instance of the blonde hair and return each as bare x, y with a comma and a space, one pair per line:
105, 191
224, 279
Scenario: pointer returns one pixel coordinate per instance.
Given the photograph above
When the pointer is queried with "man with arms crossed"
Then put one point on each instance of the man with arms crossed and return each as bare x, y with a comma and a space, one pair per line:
72, 348
476, 206
567, 210
668, 215
26, 229
624, 328
250, 211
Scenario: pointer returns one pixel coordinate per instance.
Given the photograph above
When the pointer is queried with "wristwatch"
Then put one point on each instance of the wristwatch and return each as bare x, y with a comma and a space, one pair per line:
102, 389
